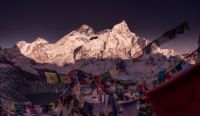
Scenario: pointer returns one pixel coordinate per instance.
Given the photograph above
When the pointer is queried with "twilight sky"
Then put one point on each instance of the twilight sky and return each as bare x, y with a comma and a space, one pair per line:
52, 19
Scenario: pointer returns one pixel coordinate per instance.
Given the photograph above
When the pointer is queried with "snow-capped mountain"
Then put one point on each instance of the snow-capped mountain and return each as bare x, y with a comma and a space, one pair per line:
84, 43
86, 50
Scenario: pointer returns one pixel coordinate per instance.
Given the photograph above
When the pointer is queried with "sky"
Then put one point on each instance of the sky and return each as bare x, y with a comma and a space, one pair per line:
52, 19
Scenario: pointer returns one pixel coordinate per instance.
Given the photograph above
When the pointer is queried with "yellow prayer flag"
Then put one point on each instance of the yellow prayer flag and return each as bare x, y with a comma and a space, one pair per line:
8, 105
52, 78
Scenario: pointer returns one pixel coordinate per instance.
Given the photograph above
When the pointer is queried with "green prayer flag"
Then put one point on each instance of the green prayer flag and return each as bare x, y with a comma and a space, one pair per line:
106, 76
64, 78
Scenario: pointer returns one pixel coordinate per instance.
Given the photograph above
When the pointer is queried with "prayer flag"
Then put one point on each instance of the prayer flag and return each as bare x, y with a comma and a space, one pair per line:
181, 28
106, 76
52, 78
179, 67
161, 76
161, 40
148, 48
8, 105
64, 78
20, 109
173, 71
31, 109
168, 75
179, 97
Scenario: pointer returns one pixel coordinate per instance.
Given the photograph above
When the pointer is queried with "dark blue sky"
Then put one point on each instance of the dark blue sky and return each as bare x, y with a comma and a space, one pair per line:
52, 19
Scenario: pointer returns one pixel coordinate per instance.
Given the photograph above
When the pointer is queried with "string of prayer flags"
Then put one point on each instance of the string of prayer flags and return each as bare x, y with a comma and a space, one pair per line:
79, 76
167, 36
79, 106
75, 77
173, 71
178, 68
171, 34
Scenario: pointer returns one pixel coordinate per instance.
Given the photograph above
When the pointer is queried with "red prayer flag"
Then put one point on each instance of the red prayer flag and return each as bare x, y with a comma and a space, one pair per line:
168, 75
178, 97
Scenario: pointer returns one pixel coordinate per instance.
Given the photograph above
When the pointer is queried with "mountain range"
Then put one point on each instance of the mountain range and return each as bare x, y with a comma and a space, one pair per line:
91, 51
84, 49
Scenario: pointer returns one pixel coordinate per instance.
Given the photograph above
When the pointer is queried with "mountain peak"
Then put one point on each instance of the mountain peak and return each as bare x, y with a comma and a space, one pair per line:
84, 26
85, 29
121, 26
40, 40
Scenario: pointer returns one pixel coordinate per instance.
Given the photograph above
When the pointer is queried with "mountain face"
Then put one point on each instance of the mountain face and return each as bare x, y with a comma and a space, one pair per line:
83, 43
